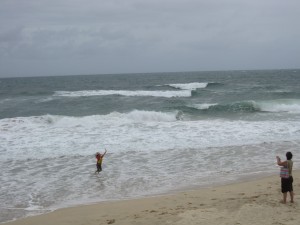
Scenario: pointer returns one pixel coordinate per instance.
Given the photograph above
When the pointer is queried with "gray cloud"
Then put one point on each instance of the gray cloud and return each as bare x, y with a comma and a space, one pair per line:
51, 37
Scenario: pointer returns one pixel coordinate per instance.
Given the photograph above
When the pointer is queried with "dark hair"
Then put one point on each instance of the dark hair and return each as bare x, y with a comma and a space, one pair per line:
289, 155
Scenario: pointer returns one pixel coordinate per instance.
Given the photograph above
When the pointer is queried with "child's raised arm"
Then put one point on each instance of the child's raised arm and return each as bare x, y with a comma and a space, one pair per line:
104, 152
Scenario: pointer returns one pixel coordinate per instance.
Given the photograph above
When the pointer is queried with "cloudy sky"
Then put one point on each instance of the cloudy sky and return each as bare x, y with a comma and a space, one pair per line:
64, 37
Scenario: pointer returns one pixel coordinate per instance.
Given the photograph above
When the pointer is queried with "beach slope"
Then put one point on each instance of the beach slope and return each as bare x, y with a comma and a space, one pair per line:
250, 202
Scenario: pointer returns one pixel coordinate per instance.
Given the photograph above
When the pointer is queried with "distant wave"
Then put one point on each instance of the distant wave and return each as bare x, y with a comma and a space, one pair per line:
189, 86
86, 93
193, 86
5, 100
47, 99
280, 105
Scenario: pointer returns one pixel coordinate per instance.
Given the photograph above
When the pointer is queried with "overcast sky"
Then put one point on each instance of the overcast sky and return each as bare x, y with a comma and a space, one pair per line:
66, 37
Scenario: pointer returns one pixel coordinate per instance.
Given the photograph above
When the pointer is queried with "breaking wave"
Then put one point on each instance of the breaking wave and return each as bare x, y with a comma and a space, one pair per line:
133, 116
280, 105
189, 86
86, 93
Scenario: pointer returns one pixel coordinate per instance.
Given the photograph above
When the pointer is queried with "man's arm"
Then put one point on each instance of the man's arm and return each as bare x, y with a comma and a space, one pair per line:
279, 163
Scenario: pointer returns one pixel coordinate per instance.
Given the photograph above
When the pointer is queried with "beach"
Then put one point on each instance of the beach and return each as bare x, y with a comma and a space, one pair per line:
248, 202
164, 133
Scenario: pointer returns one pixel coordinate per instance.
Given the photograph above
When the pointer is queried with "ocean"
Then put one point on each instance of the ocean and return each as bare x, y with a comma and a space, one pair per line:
164, 132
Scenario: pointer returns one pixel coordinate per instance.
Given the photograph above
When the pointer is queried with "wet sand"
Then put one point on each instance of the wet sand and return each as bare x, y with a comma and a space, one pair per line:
250, 202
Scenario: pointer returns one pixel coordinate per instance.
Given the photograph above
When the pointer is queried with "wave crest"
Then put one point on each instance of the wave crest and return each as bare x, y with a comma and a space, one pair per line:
69, 121
280, 105
149, 116
87, 93
189, 86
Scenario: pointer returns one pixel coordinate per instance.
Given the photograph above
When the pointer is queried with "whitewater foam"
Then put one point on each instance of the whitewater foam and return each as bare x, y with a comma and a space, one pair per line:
189, 86
86, 93
204, 105
151, 116
272, 106
280, 105
137, 130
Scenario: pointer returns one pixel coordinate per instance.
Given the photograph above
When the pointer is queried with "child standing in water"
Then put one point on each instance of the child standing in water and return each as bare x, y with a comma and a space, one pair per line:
99, 158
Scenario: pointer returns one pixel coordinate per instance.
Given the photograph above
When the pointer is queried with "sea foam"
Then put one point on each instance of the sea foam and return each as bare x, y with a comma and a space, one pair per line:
280, 105
55, 136
189, 86
86, 93
272, 106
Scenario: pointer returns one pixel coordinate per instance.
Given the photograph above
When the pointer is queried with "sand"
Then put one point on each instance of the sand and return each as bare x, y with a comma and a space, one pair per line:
250, 202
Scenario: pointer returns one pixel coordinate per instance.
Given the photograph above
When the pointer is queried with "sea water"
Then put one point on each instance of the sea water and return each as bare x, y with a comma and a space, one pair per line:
163, 132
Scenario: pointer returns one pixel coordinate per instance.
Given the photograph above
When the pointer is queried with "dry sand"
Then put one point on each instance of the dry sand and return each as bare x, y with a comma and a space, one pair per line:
251, 202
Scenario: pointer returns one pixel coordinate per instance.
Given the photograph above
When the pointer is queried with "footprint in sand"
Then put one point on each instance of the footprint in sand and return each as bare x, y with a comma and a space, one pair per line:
111, 221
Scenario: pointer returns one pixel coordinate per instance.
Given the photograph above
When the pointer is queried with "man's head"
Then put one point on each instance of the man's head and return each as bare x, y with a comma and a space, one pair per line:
289, 155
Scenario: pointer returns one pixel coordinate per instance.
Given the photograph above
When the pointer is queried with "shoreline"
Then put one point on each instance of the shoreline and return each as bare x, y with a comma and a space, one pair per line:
247, 201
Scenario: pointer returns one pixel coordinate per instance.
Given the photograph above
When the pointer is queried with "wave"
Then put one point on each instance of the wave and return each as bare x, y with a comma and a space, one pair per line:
52, 135
47, 99
204, 105
279, 105
229, 108
148, 116
133, 116
193, 86
214, 84
189, 86
86, 93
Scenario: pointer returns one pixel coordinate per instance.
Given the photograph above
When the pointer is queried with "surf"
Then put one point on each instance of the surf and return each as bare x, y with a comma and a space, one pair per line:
137, 93
280, 105
189, 86
271, 106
